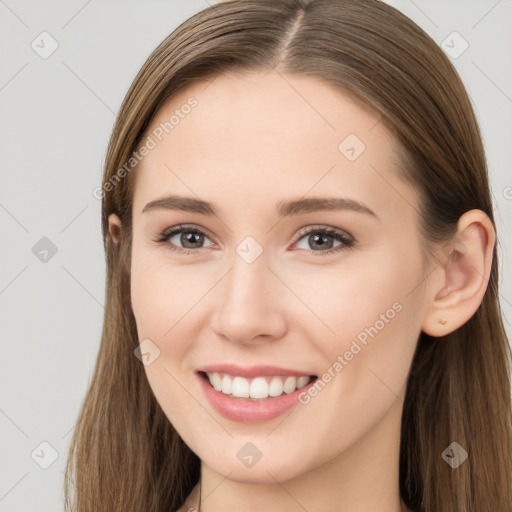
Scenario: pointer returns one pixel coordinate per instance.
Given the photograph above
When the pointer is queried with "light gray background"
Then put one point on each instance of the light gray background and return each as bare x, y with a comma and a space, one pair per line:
56, 117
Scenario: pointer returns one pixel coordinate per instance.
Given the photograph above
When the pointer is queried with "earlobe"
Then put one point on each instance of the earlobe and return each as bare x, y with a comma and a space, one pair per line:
114, 227
459, 284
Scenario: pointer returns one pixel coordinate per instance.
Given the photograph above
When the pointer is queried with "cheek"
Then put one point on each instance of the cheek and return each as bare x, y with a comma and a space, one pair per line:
379, 332
375, 324
161, 300
161, 294
364, 299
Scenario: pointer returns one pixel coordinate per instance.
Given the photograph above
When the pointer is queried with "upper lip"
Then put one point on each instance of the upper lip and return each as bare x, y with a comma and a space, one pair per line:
251, 371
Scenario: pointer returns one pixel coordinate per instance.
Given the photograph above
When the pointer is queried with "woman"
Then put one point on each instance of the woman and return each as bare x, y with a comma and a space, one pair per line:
240, 370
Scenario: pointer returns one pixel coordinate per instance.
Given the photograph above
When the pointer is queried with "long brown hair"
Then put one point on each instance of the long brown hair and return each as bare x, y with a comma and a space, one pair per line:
125, 455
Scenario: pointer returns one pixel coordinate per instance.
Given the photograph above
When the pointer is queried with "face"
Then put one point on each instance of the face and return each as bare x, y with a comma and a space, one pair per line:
328, 292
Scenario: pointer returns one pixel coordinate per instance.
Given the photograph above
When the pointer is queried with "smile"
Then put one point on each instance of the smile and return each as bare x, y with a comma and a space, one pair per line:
252, 400
257, 388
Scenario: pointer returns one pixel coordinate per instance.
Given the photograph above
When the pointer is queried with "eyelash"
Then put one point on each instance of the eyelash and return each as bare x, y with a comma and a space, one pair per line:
168, 233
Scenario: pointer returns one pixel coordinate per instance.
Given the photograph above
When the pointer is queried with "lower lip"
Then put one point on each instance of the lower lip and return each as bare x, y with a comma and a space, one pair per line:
245, 410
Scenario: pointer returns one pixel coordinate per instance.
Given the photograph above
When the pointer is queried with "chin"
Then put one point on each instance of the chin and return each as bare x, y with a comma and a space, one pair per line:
262, 472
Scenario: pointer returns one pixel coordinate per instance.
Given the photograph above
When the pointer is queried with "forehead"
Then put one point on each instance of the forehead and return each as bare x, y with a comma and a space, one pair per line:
244, 105
252, 136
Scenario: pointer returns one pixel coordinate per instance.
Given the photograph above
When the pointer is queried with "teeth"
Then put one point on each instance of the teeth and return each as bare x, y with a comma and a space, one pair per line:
290, 385
276, 387
240, 387
257, 388
302, 381
227, 385
216, 381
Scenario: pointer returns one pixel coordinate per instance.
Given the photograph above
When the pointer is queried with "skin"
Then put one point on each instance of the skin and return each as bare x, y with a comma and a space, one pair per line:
253, 140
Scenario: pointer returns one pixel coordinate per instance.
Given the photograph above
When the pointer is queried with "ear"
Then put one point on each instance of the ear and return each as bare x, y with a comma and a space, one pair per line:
458, 285
114, 227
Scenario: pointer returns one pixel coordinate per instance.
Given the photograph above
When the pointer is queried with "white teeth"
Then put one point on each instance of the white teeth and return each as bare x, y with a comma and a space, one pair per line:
257, 388
226, 385
216, 381
240, 387
290, 385
276, 387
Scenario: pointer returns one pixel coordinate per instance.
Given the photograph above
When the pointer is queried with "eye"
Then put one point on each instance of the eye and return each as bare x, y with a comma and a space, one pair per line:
190, 237
324, 238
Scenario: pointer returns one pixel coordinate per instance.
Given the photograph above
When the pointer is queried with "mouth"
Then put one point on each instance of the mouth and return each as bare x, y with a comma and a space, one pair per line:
257, 388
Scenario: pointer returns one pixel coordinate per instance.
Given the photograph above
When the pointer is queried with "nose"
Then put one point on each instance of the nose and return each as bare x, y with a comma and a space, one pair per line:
251, 303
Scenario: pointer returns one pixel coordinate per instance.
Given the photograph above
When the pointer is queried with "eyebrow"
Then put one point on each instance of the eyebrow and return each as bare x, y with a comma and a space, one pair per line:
284, 208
